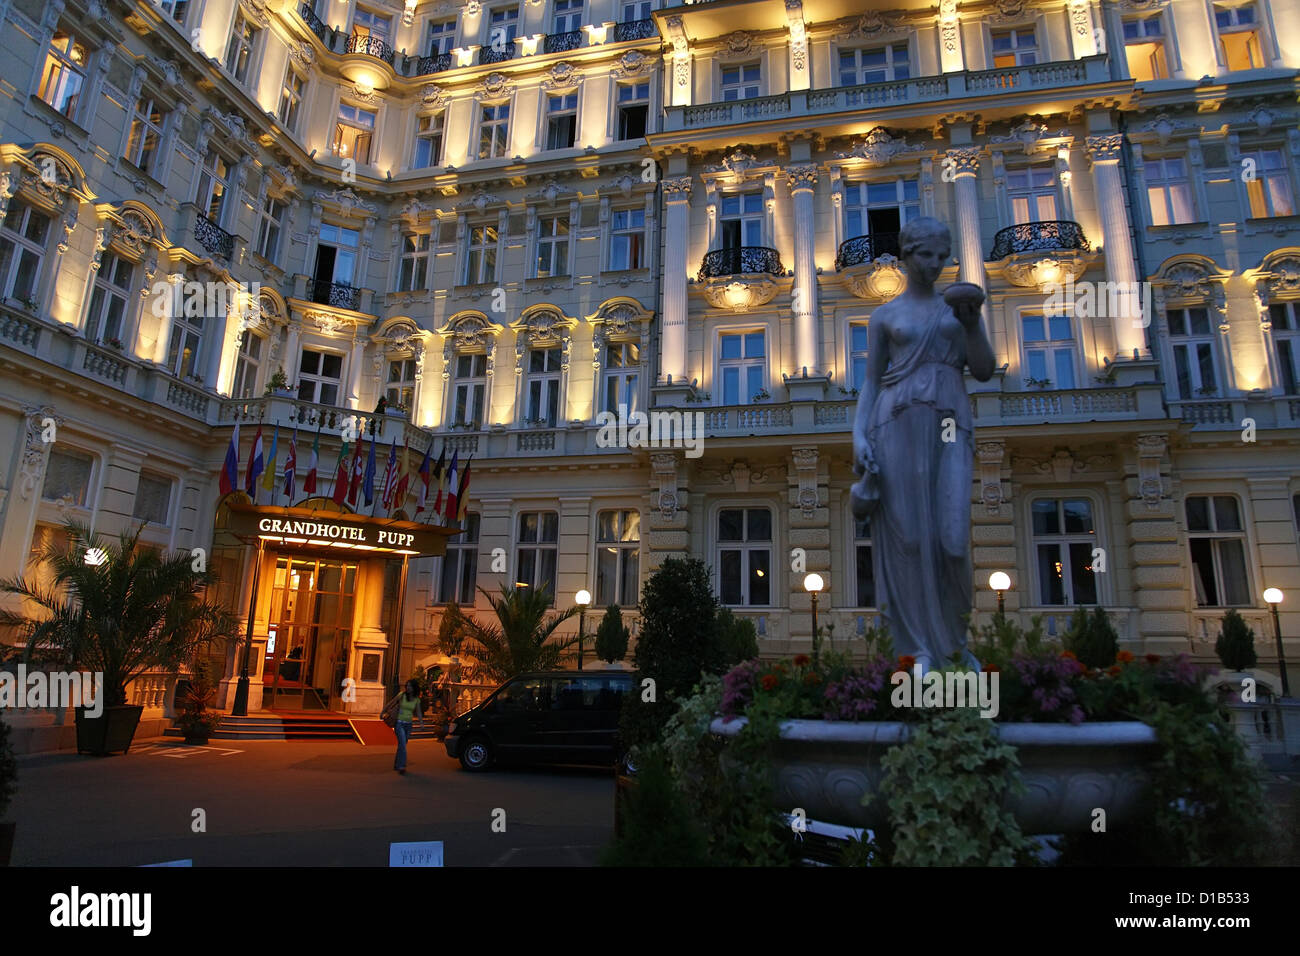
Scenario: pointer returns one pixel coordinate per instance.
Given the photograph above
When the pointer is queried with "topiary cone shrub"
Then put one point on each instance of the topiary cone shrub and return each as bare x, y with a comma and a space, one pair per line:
612, 636
1092, 638
1236, 643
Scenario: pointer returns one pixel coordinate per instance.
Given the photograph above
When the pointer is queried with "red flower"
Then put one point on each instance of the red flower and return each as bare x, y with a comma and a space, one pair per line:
802, 660
992, 668
1113, 670
1153, 658
812, 677
1124, 657
906, 662
1069, 655
770, 681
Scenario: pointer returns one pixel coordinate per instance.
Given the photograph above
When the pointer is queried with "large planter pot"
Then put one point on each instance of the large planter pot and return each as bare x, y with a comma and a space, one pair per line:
6, 842
826, 767
108, 733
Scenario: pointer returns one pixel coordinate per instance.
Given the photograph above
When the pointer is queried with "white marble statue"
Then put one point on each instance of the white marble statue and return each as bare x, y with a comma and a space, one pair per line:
913, 450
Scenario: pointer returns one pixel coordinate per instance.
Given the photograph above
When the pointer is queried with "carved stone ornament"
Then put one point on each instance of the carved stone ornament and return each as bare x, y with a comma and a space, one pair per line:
399, 336
543, 325
326, 322
134, 233
1105, 148
495, 86
302, 52
990, 455
347, 200
803, 176
878, 147
1164, 126
1027, 134
1151, 451
963, 160
35, 447
663, 466
256, 11
739, 293
804, 461
1263, 118
677, 190
52, 179
1009, 10
1032, 272
738, 43
734, 165
413, 210
470, 333
881, 279
433, 95
632, 63
1187, 280
562, 76
949, 28
1284, 277
869, 26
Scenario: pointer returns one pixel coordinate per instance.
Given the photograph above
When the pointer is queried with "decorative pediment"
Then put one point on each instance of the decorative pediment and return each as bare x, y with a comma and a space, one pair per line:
1029, 135
413, 211
549, 193
872, 25
478, 202
1009, 11
562, 76
541, 324
737, 43
494, 86
1280, 274
135, 228
470, 332
347, 201
620, 317
1190, 278
1164, 126
399, 335
45, 174
879, 147
632, 63
736, 166
433, 96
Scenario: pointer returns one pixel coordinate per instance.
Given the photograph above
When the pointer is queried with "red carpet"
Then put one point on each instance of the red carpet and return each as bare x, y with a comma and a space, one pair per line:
374, 733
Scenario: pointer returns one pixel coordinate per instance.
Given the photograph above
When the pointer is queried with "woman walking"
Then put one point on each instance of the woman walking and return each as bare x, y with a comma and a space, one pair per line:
405, 707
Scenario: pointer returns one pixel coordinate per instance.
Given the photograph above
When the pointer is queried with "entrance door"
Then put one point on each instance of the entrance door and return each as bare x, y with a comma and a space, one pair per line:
310, 635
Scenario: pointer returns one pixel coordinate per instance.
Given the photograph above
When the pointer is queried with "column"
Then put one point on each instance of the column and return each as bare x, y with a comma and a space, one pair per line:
964, 163
802, 179
1104, 152
355, 368
672, 359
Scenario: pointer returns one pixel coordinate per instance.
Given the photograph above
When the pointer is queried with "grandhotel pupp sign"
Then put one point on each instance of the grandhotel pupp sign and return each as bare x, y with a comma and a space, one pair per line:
303, 528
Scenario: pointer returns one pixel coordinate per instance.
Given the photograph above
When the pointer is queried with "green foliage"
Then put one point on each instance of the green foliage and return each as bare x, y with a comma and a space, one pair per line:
738, 635
945, 789
278, 381
8, 768
612, 636
519, 641
137, 610
658, 827
999, 640
452, 631
1092, 638
1236, 643
195, 717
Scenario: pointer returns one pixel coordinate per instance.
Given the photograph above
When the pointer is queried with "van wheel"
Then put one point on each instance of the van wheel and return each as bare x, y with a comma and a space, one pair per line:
477, 754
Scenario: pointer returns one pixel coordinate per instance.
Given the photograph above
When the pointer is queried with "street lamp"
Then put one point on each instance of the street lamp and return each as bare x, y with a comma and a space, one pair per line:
813, 583
1273, 597
582, 599
1000, 581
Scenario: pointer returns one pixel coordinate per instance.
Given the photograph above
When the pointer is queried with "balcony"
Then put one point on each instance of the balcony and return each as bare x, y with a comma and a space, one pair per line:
1030, 237
561, 42
426, 65
740, 260
323, 32
338, 294
866, 249
635, 30
488, 55
740, 278
370, 46
213, 238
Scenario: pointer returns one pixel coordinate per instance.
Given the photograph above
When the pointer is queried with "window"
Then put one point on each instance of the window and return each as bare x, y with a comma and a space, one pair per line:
353, 132
247, 364
400, 390
176, 9
67, 475
552, 246
539, 532
442, 36
271, 218
22, 250
741, 220
291, 98
415, 262
1238, 36
1193, 344
1268, 188
622, 365
108, 300
1217, 542
213, 182
639, 10
153, 498
633, 109
561, 121
428, 140
1169, 191
865, 573
186, 336
880, 210
503, 27
1049, 350
64, 73
458, 576
1015, 47
568, 16
336, 254
745, 556
367, 23
618, 558
239, 52
627, 239
543, 386
146, 134
1144, 47
742, 365
858, 334
471, 376
1032, 191
1285, 318
880, 65
319, 377
740, 82
1064, 539
494, 124
481, 257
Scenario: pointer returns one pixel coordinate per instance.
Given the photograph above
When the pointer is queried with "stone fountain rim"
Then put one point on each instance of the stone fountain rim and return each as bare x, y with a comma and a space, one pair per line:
1087, 734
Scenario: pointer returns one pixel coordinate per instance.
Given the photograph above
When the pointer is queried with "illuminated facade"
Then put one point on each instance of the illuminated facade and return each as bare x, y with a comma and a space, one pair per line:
509, 218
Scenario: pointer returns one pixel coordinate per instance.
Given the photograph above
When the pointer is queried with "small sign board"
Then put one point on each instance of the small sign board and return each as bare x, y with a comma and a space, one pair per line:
415, 854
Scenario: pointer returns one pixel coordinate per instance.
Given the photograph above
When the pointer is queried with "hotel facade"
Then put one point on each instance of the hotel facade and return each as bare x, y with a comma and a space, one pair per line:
516, 222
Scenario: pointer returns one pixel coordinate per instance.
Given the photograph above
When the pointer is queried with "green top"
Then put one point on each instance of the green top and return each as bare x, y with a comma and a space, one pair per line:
406, 707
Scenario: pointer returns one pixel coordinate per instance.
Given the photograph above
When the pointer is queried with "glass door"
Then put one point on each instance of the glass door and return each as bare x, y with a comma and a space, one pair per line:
310, 635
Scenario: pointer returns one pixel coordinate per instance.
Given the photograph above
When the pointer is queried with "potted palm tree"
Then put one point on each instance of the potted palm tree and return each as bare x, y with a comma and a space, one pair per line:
117, 609
196, 720
520, 639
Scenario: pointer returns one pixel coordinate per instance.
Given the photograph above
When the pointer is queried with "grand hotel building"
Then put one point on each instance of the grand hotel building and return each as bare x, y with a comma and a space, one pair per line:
507, 218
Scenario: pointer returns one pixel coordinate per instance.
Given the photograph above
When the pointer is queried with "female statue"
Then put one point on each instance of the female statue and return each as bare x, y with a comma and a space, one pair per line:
914, 450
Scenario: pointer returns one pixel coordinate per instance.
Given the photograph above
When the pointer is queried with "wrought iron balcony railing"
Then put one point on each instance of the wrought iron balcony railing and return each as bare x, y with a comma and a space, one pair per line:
635, 30
488, 55
740, 260
559, 42
432, 64
1057, 236
323, 31
338, 294
370, 46
212, 237
862, 249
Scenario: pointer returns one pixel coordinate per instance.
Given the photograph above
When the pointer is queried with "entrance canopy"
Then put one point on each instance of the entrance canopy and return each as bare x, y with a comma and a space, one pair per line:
339, 531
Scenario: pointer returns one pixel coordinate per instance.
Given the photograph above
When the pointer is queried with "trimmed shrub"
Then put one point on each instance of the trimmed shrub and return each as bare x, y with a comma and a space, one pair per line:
1092, 638
1236, 643
611, 636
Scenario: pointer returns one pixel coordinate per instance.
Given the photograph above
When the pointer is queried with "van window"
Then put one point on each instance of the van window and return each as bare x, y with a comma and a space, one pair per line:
590, 693
532, 694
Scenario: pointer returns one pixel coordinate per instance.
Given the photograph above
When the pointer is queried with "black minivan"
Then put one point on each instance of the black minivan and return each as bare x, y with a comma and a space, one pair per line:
543, 717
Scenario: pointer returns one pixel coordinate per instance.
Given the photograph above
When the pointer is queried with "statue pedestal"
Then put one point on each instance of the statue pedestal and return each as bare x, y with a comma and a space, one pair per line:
807, 388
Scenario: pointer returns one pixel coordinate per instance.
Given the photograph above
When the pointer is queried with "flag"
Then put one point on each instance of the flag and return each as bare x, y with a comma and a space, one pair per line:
341, 474
268, 480
424, 480
254, 470
463, 495
309, 485
440, 476
230, 470
354, 485
403, 478
449, 515
291, 466
368, 488
390, 476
